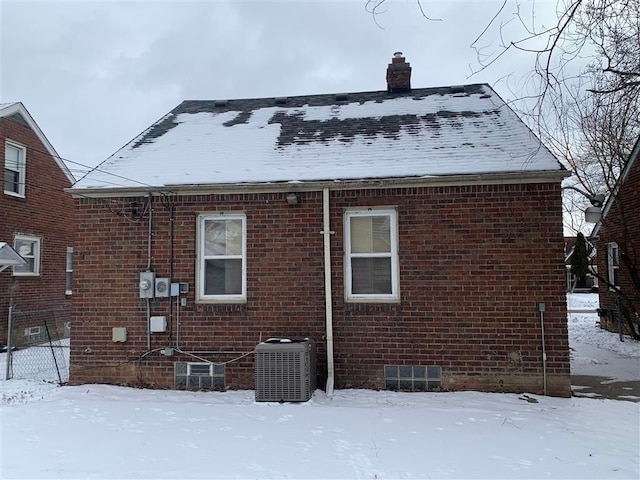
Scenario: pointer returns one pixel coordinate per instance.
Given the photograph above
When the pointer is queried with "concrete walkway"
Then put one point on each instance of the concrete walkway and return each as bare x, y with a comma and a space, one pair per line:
603, 387
600, 373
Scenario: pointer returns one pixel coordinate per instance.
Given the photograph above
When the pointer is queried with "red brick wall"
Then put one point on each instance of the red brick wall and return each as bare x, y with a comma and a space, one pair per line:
474, 263
45, 212
621, 225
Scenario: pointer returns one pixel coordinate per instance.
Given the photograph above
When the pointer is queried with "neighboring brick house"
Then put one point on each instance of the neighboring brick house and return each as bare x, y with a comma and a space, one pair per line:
617, 238
414, 234
36, 218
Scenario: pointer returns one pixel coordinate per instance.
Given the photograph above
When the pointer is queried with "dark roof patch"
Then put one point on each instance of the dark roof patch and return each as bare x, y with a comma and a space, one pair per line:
242, 117
157, 130
295, 129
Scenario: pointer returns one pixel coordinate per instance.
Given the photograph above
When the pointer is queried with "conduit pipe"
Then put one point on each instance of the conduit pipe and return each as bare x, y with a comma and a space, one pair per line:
326, 232
149, 235
541, 309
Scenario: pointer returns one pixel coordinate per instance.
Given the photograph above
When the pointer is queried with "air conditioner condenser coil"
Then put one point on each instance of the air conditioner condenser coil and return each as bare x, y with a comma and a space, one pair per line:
285, 370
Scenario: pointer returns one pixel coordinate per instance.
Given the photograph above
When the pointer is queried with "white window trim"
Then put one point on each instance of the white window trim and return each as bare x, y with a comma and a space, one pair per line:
200, 270
610, 265
33, 331
68, 270
190, 366
22, 170
394, 297
36, 257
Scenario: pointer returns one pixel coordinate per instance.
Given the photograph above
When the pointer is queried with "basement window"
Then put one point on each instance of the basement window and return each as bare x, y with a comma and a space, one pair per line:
412, 378
199, 375
34, 334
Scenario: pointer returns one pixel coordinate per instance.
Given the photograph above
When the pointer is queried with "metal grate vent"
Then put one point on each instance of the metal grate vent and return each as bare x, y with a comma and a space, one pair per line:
285, 370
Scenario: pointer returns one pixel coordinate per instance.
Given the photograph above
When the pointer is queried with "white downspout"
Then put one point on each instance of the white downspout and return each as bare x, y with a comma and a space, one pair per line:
326, 232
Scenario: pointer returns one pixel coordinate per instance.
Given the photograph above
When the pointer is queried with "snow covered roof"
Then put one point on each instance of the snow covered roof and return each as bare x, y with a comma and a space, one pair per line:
18, 112
327, 138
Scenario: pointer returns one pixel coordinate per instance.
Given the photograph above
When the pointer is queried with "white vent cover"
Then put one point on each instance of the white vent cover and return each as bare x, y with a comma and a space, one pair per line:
285, 370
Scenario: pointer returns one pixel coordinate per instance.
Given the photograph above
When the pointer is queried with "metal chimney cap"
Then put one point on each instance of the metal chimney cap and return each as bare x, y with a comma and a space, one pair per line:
397, 54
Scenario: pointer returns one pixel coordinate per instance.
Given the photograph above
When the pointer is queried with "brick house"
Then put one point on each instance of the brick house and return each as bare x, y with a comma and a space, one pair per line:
36, 219
414, 234
617, 237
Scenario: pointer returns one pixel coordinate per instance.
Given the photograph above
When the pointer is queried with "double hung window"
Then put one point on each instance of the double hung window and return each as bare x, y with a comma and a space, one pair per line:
29, 249
613, 265
371, 251
222, 258
69, 272
14, 169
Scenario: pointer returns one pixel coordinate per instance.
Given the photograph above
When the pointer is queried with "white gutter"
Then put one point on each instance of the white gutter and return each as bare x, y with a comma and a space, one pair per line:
326, 232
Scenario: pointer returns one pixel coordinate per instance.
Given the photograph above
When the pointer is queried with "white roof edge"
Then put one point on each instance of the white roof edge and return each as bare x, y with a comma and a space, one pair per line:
18, 107
523, 177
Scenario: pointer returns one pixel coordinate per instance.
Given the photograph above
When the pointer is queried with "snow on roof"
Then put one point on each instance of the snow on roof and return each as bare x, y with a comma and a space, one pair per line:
370, 135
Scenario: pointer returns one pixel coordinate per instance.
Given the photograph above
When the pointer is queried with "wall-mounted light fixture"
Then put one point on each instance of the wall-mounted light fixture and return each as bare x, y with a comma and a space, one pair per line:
293, 199
592, 214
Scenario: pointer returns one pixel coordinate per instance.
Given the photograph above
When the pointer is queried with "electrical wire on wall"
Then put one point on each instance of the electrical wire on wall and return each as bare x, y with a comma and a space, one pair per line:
169, 203
149, 245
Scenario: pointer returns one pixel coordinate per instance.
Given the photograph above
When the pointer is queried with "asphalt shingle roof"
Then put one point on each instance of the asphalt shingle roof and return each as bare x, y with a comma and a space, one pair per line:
369, 135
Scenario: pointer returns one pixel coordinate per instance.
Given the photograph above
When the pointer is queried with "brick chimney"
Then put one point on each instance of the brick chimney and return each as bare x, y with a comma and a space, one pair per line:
398, 74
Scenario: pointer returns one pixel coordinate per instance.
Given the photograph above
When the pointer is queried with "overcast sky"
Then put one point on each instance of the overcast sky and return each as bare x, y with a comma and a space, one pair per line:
94, 74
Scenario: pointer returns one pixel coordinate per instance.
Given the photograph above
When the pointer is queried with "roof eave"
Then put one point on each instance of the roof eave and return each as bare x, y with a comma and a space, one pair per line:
18, 107
546, 176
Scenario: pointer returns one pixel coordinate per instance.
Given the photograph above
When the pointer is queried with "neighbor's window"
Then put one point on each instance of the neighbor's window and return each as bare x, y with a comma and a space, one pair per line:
613, 265
14, 169
68, 289
29, 249
371, 263
222, 258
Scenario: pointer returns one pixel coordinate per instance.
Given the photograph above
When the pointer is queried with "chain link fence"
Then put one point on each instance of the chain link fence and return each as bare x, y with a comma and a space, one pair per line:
38, 343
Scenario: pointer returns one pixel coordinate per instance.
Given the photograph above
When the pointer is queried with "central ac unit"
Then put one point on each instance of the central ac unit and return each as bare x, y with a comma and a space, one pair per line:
285, 370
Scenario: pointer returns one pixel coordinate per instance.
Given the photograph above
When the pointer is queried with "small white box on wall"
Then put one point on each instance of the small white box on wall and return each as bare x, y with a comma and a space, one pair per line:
119, 334
158, 324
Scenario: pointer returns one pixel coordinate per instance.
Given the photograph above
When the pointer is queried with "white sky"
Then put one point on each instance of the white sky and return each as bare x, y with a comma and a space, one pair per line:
94, 74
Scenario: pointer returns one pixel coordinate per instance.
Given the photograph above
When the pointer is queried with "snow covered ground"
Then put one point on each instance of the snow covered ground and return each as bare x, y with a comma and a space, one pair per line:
595, 351
100, 431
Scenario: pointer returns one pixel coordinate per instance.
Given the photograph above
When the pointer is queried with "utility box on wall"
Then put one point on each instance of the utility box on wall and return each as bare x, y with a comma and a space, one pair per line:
158, 324
285, 370
147, 284
162, 287
119, 334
